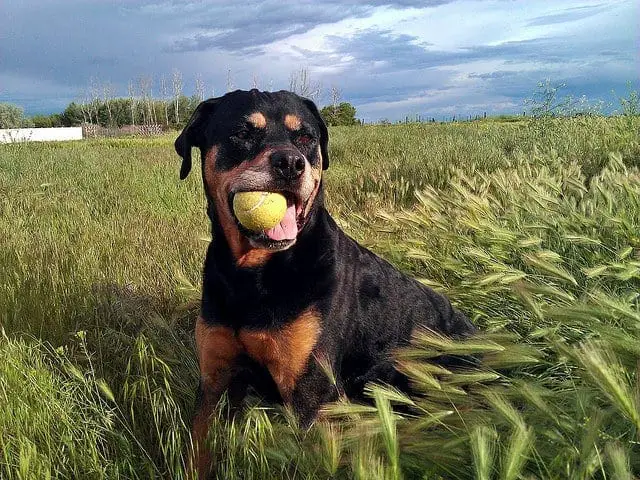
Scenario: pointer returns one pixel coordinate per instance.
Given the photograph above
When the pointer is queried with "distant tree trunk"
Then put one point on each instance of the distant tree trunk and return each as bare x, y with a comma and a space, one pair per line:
143, 83
83, 109
151, 103
199, 87
132, 102
95, 99
107, 96
176, 81
335, 98
230, 85
165, 98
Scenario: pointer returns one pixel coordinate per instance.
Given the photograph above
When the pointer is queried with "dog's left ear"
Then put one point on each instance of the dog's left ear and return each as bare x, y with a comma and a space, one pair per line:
324, 134
193, 134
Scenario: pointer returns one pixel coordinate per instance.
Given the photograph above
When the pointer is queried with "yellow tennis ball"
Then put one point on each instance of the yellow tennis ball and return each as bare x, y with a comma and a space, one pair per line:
259, 211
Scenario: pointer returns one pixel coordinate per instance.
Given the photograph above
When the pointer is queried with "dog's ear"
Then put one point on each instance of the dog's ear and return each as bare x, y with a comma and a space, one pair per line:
193, 134
324, 134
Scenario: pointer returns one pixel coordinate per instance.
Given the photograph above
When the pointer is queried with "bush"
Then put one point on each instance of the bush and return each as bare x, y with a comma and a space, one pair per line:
11, 116
340, 115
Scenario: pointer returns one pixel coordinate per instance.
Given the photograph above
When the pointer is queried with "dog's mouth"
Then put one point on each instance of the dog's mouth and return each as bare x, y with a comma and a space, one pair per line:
285, 233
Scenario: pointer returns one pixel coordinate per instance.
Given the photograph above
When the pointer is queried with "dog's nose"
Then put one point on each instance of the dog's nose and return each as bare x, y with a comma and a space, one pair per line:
288, 165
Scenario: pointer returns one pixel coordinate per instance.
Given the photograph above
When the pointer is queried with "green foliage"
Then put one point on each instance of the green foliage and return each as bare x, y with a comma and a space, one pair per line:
343, 114
48, 121
11, 116
72, 115
533, 233
630, 104
117, 112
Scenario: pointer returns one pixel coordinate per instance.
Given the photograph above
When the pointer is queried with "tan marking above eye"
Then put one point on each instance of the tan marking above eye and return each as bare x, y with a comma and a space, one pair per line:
292, 122
257, 119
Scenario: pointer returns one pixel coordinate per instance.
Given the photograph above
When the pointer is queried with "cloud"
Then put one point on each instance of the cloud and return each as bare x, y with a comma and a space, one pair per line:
500, 74
491, 77
384, 50
256, 24
568, 15
388, 57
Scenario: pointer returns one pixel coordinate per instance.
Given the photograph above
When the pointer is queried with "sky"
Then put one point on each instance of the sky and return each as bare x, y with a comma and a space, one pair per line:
434, 58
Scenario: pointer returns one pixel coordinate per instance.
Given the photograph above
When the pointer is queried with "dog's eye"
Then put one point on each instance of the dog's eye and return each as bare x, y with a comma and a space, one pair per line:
242, 134
304, 139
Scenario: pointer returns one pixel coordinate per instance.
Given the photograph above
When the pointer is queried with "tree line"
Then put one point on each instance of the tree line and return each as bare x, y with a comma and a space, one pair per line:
167, 106
115, 112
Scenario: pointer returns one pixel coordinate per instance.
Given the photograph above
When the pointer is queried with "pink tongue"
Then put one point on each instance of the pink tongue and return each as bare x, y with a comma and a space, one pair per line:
287, 229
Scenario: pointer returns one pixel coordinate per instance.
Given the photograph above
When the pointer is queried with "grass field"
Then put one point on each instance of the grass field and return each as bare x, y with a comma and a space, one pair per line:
532, 228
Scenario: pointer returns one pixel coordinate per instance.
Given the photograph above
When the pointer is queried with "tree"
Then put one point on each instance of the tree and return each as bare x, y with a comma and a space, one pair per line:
132, 102
164, 91
120, 111
230, 84
342, 114
47, 121
41, 121
199, 87
176, 82
84, 110
300, 83
335, 98
94, 94
107, 97
11, 116
145, 83
72, 115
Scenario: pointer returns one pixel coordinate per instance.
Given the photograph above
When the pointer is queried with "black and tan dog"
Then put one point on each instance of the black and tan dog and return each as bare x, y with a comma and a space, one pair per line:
275, 303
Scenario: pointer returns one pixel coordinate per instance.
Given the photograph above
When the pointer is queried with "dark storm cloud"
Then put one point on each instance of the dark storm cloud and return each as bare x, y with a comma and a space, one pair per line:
256, 24
67, 42
49, 50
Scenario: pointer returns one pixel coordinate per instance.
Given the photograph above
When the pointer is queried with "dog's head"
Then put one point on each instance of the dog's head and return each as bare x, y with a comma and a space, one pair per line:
258, 141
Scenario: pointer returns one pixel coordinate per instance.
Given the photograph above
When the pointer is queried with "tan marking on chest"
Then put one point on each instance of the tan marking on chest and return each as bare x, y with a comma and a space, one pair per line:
254, 258
284, 351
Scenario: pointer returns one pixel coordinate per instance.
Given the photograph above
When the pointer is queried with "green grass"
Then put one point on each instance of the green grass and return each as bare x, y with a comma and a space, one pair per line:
531, 227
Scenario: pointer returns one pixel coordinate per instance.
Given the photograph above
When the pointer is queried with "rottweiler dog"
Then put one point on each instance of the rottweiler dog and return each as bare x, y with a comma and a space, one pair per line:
280, 307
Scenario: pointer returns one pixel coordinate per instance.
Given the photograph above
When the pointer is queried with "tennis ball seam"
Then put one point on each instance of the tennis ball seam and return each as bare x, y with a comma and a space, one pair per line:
263, 198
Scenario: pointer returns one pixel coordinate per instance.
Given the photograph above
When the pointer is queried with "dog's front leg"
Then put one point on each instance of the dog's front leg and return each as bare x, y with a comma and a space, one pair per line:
208, 397
218, 351
314, 389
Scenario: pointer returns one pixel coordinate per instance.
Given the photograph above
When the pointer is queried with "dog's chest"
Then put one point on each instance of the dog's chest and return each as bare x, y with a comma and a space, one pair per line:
284, 351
